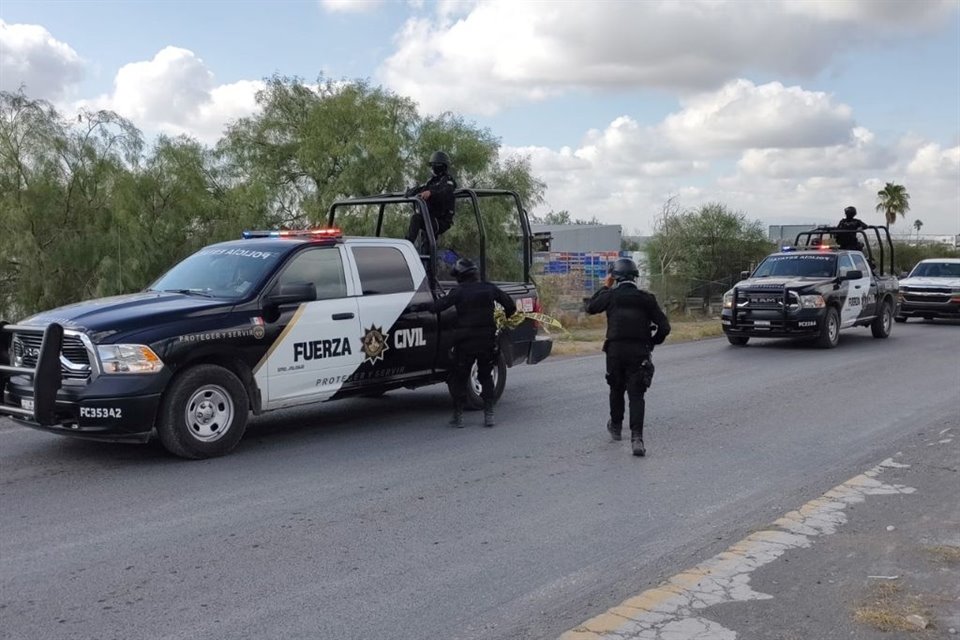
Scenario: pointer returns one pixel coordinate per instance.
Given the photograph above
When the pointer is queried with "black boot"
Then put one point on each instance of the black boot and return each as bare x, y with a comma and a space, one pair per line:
615, 429
636, 440
488, 420
457, 419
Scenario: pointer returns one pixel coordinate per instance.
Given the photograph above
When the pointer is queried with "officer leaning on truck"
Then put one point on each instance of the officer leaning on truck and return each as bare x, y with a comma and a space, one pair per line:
632, 314
476, 336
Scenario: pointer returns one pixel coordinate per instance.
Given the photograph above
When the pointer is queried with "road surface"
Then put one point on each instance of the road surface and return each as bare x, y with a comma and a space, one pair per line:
371, 519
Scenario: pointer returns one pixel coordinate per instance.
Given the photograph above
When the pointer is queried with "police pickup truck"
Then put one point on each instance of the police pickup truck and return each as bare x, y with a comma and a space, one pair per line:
273, 320
813, 290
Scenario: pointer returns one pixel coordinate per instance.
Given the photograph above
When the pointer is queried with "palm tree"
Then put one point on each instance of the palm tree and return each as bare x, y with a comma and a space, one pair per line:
916, 225
893, 200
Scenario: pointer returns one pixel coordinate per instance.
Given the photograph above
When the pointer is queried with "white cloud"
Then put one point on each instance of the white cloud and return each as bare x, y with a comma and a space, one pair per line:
176, 93
477, 57
624, 172
742, 115
31, 56
350, 6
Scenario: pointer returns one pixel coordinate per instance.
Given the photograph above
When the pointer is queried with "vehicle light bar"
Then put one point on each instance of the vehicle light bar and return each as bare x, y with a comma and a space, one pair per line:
332, 233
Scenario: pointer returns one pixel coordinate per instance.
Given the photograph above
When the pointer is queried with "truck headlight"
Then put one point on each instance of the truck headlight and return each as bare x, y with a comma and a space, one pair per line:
728, 300
128, 358
814, 301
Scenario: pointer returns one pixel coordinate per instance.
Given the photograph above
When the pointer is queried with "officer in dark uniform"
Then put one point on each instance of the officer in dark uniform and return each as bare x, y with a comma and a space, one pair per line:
475, 338
438, 194
847, 239
635, 323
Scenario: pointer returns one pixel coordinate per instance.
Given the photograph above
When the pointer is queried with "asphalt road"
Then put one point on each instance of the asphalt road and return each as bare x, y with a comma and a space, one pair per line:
370, 519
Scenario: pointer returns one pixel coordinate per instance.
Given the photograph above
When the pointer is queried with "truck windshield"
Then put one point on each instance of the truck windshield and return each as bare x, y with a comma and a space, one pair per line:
936, 270
220, 272
798, 266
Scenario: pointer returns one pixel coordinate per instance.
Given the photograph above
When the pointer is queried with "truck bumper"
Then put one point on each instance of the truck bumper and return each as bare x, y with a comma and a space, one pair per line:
114, 409
773, 324
929, 309
540, 349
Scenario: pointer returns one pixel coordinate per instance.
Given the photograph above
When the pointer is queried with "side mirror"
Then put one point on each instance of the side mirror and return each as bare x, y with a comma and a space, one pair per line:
853, 275
744, 275
903, 275
291, 293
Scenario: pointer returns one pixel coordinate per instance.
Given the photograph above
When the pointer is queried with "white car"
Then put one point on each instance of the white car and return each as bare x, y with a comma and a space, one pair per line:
932, 290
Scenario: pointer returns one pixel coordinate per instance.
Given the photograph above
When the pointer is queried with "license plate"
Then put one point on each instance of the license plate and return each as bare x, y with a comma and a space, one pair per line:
761, 323
26, 404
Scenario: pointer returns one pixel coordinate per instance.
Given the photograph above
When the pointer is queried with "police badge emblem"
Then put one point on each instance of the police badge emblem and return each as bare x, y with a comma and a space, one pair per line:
374, 343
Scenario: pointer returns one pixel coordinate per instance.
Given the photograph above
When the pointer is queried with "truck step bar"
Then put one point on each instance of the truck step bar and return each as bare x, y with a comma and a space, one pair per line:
46, 375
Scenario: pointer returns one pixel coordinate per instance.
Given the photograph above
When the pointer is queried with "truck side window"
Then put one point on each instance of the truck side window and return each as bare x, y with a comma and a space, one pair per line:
322, 267
845, 265
382, 270
861, 264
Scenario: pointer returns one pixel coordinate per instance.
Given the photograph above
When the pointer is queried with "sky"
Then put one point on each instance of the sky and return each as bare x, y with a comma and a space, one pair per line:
786, 110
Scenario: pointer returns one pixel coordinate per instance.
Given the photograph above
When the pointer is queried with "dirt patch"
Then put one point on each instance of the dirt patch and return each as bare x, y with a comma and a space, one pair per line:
888, 607
946, 553
586, 337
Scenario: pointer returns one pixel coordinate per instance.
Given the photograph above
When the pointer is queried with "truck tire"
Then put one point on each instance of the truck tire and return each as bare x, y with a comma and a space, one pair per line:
880, 327
738, 341
474, 401
204, 413
829, 329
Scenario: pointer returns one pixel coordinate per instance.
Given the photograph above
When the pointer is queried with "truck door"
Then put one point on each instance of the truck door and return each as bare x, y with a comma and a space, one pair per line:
319, 348
870, 297
398, 327
854, 292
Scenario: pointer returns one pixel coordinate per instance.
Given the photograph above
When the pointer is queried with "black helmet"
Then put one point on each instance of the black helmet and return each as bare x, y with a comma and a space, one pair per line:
465, 270
439, 157
624, 269
850, 212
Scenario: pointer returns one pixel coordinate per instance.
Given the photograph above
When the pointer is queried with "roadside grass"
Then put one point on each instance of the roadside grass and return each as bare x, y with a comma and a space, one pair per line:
887, 606
586, 336
946, 553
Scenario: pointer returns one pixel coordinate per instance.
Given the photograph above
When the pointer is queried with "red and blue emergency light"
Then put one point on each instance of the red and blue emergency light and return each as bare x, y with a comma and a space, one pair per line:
319, 234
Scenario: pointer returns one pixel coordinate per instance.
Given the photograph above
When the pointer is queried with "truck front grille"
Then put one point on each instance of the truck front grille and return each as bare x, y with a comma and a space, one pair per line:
74, 357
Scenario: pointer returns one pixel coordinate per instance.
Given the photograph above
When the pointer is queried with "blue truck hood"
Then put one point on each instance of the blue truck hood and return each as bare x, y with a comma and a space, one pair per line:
104, 318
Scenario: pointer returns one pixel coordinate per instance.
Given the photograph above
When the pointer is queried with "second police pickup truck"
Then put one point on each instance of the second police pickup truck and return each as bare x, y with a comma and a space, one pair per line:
276, 319
814, 290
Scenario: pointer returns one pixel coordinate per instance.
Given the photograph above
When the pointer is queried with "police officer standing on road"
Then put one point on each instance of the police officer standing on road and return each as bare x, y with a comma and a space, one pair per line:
847, 239
631, 316
475, 336
438, 194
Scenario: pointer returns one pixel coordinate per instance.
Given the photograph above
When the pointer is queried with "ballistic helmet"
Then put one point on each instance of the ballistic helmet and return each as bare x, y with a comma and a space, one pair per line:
439, 158
850, 212
624, 269
465, 270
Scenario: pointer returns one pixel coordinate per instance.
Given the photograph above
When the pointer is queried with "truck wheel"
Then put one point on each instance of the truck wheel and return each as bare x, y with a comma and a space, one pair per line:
900, 319
474, 401
829, 329
738, 341
204, 413
880, 327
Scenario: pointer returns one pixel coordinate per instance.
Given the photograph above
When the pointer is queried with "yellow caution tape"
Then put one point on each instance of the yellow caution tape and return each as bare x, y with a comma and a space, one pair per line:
514, 321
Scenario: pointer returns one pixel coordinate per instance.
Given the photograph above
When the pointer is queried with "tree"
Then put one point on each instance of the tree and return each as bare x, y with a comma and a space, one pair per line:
892, 201
554, 217
705, 248
916, 225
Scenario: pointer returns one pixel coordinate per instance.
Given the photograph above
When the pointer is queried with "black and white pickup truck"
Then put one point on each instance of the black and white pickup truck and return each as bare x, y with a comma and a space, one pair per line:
814, 290
276, 319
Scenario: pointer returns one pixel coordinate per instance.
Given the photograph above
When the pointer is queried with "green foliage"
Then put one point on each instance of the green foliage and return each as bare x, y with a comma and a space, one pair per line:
907, 255
701, 252
892, 201
87, 210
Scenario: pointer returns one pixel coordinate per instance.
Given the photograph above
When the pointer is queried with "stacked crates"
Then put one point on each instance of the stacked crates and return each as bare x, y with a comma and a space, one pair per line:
588, 268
